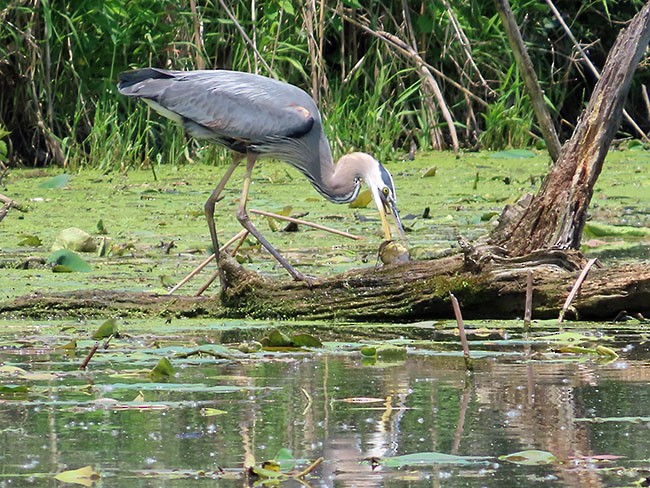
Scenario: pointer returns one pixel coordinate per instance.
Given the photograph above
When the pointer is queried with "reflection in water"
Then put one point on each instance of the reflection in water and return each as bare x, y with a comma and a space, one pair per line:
335, 406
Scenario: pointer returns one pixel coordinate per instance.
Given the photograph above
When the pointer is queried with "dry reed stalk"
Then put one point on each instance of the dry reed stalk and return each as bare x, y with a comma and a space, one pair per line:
305, 222
461, 332
575, 289
528, 309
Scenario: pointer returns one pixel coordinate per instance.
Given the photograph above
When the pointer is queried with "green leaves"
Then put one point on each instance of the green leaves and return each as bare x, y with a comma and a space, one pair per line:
85, 476
163, 369
107, 329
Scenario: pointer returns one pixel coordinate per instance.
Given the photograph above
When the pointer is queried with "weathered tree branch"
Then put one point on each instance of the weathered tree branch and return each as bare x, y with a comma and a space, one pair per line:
530, 79
555, 217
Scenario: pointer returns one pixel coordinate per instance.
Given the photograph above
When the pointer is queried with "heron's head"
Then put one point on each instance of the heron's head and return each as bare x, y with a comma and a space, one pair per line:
381, 185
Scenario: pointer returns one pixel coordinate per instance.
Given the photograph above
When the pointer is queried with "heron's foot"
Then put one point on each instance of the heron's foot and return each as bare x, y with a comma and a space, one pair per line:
298, 276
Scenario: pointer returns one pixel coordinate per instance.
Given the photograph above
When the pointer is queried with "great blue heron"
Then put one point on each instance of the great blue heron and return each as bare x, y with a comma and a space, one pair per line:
255, 116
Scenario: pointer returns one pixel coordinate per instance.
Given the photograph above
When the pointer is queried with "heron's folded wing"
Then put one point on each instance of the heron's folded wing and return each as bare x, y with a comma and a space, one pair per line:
232, 104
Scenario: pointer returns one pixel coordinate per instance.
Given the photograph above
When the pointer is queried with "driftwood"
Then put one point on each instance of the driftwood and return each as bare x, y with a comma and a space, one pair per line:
417, 290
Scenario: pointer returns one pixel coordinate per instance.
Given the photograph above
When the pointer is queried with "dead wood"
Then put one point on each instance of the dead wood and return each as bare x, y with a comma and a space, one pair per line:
530, 78
418, 290
555, 217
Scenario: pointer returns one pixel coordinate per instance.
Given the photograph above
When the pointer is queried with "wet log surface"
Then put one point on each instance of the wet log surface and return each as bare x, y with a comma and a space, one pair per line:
419, 290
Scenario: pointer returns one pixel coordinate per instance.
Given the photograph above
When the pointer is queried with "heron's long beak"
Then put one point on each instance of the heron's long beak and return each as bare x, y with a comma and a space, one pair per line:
387, 206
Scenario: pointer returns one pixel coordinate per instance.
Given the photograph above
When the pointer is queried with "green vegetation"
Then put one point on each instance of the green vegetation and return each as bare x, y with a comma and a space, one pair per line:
59, 61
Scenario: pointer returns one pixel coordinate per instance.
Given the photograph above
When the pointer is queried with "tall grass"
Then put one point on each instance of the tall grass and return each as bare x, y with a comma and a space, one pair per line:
59, 61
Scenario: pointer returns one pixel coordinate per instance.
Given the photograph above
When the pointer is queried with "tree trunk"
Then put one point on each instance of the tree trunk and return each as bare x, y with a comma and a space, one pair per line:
555, 217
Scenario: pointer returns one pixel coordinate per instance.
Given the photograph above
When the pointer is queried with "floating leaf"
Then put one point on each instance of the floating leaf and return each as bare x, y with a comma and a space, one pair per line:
305, 340
85, 476
598, 350
107, 329
594, 229
75, 240
369, 351
58, 181
7, 370
66, 261
428, 459
164, 368
531, 457
12, 389
391, 352
513, 154
566, 338
284, 458
68, 346
362, 200
277, 339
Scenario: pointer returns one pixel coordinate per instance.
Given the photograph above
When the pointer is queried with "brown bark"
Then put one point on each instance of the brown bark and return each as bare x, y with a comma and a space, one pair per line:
555, 217
415, 291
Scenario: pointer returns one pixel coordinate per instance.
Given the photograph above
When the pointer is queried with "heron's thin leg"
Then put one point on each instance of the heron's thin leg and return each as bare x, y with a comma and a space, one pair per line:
209, 208
245, 221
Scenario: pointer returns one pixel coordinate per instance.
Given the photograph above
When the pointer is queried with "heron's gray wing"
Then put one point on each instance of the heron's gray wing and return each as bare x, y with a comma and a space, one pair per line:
226, 104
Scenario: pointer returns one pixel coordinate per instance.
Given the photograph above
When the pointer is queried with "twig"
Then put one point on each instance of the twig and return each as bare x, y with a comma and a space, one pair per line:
90, 355
529, 77
305, 222
646, 99
207, 261
247, 39
461, 332
575, 289
431, 68
308, 469
528, 309
198, 36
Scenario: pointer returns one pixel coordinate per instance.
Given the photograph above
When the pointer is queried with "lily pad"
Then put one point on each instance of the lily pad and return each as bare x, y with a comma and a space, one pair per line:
58, 181
66, 261
75, 240
428, 459
532, 457
513, 154
163, 369
85, 476
107, 329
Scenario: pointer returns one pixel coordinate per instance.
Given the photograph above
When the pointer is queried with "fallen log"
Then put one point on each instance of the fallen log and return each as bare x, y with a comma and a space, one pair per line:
413, 291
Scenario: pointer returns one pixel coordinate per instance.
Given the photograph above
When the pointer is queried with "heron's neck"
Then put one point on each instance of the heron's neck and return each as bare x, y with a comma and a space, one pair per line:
341, 181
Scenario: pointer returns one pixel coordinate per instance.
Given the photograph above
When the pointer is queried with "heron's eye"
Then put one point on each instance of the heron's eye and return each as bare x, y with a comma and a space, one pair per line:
385, 191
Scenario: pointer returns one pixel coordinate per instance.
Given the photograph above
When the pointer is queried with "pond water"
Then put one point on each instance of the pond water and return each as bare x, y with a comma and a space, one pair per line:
222, 409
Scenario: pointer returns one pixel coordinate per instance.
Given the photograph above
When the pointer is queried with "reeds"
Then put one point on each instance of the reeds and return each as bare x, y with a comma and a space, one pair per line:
59, 60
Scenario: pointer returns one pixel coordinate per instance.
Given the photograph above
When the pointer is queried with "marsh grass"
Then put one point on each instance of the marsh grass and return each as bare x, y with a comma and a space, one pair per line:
59, 62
